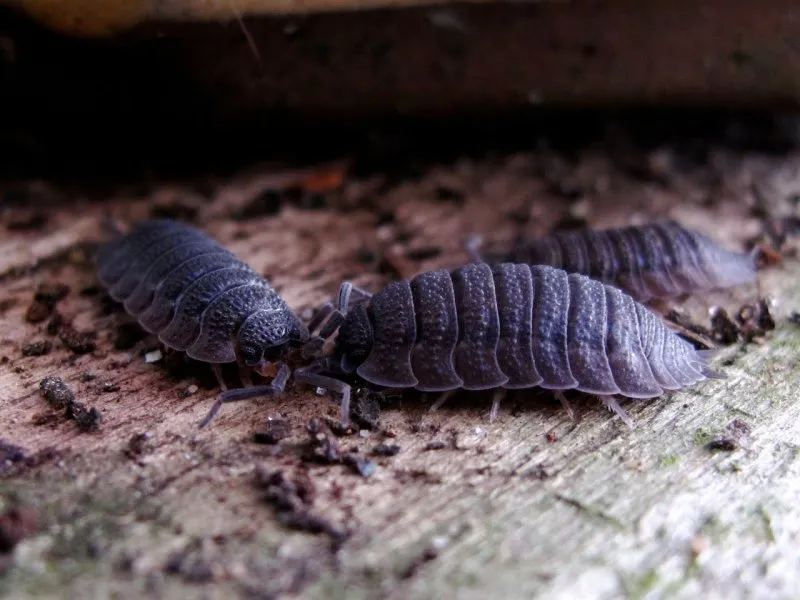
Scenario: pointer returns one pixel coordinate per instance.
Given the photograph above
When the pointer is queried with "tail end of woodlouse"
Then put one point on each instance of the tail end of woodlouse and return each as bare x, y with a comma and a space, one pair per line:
707, 356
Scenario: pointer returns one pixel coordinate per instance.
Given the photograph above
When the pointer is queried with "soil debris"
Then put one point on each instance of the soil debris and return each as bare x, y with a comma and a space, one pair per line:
755, 321
88, 419
386, 450
137, 445
723, 329
56, 392
39, 348
9, 456
734, 437
360, 465
323, 445
435, 445
293, 500
45, 298
275, 431
80, 342
60, 397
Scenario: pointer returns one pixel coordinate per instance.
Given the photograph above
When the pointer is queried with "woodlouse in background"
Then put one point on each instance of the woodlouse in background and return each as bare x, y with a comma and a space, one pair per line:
507, 326
200, 298
656, 261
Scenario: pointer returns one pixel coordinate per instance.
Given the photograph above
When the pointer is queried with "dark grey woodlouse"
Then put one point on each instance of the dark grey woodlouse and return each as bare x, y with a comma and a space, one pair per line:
201, 299
655, 261
507, 326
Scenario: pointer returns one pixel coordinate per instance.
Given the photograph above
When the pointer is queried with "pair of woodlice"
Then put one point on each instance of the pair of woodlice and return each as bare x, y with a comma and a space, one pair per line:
477, 327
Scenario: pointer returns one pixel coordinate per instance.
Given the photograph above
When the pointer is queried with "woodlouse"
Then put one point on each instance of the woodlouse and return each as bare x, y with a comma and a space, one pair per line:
507, 326
655, 261
201, 299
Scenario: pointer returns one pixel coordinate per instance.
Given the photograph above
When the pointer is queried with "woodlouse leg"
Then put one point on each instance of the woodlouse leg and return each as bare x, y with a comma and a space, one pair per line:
565, 403
611, 404
307, 375
496, 399
218, 374
472, 247
276, 386
445, 396
345, 291
320, 316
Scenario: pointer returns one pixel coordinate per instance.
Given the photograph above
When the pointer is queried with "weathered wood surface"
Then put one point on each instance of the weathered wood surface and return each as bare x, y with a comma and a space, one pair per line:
531, 505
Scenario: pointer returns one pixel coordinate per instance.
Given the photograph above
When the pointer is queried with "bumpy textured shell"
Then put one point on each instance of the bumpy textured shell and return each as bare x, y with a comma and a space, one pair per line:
660, 260
514, 326
184, 286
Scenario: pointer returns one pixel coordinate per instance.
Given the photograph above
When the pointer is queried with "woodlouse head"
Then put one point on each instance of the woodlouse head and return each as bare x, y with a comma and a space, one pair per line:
354, 342
268, 335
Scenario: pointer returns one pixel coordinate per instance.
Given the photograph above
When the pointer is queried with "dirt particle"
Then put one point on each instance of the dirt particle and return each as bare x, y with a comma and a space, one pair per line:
39, 348
56, 392
292, 500
551, 437
9, 456
193, 562
110, 386
88, 419
137, 445
275, 431
360, 465
323, 445
724, 330
755, 320
435, 445
80, 342
386, 450
87, 377
734, 436
45, 298
60, 397
794, 318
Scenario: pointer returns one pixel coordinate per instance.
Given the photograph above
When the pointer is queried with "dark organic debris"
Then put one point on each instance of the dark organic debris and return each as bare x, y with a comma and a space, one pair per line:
80, 342
734, 437
360, 465
110, 386
45, 298
755, 320
386, 450
88, 419
724, 330
794, 318
435, 445
275, 431
9, 456
54, 324
60, 397
137, 445
292, 500
56, 392
323, 445
39, 348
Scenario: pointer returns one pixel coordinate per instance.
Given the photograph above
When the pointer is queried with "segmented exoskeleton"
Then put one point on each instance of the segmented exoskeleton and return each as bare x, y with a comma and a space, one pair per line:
201, 299
656, 261
507, 326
